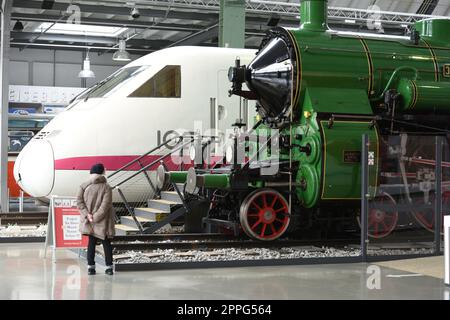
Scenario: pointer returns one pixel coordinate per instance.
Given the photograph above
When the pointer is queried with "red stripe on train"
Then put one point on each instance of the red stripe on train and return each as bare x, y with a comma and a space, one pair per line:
113, 163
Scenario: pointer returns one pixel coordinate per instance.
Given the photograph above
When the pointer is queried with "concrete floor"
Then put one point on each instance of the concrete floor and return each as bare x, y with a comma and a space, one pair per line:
26, 274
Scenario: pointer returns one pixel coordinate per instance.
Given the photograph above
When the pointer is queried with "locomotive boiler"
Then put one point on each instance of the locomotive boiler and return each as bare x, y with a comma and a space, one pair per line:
321, 91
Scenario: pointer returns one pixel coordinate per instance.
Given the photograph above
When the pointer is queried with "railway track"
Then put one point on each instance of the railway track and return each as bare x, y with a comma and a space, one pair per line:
216, 241
178, 251
23, 218
221, 241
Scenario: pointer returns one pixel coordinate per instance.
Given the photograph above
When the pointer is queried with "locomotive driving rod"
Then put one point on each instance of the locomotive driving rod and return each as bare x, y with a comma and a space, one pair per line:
425, 161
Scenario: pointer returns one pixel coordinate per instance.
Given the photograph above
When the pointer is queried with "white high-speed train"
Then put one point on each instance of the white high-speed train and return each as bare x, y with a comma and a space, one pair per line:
129, 113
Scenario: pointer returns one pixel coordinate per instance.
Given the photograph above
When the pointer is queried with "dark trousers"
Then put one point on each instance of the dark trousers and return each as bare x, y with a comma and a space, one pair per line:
106, 247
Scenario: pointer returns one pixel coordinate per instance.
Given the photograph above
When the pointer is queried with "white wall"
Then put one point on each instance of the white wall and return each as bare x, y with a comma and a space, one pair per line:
59, 68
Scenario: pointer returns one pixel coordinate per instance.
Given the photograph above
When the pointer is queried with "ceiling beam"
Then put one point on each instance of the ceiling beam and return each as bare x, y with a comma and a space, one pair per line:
427, 7
68, 38
73, 47
120, 10
199, 37
110, 22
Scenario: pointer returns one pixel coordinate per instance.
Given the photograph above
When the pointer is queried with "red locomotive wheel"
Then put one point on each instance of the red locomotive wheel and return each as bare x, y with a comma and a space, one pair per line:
382, 220
425, 216
264, 215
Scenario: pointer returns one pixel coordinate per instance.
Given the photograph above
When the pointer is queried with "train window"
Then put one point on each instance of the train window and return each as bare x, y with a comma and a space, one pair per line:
113, 82
166, 83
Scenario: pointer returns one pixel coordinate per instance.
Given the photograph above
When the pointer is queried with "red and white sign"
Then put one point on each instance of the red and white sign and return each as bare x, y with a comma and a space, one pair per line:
66, 224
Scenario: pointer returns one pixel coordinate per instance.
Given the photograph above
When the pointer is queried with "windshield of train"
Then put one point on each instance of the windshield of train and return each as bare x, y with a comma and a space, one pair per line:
112, 83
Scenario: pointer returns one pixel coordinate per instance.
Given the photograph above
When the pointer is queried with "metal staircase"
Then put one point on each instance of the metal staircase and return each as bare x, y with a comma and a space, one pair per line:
156, 211
149, 214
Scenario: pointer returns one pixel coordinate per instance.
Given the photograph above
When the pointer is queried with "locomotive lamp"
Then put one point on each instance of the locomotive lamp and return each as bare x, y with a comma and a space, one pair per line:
236, 75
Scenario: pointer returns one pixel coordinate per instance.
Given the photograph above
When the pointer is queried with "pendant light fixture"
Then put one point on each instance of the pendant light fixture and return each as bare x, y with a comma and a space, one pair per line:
121, 54
86, 72
18, 26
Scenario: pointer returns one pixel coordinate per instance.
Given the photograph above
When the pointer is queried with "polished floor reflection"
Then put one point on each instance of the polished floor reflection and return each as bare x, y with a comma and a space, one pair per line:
26, 274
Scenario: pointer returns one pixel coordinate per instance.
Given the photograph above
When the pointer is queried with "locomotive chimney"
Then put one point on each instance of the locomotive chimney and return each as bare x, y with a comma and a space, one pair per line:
313, 15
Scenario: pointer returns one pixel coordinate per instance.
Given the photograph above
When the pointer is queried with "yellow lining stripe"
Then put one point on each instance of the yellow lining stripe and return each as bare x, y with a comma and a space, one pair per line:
370, 64
299, 68
433, 55
415, 95
324, 159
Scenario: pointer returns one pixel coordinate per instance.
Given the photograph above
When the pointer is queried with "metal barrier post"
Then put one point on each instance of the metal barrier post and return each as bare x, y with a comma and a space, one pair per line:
7, 201
447, 250
21, 201
438, 203
364, 195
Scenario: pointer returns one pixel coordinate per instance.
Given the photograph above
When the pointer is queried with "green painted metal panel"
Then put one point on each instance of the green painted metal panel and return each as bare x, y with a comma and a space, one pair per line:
330, 61
347, 62
232, 24
341, 159
333, 100
388, 56
424, 96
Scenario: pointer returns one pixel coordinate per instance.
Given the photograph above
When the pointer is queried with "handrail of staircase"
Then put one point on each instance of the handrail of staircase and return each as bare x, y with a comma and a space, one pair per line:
152, 164
143, 169
180, 138
174, 185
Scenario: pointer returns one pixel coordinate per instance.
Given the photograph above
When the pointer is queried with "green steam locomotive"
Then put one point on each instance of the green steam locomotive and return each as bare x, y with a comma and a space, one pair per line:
321, 90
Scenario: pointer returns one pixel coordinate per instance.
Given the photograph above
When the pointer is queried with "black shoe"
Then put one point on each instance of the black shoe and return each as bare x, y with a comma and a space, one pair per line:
91, 271
109, 271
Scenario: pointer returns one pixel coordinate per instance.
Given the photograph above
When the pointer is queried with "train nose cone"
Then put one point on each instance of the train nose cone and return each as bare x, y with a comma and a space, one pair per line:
34, 168
270, 77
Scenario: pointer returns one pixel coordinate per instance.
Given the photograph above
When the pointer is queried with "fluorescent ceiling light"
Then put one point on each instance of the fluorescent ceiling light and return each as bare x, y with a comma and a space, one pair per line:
350, 21
80, 29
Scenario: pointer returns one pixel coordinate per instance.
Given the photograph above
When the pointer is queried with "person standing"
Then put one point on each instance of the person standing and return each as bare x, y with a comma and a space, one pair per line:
94, 200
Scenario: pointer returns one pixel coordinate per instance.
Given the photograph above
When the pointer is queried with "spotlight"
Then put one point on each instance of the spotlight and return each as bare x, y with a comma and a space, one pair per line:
273, 20
47, 4
18, 26
135, 14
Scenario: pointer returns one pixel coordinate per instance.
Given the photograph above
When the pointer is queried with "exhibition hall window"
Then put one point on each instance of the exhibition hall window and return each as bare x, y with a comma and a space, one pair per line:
166, 83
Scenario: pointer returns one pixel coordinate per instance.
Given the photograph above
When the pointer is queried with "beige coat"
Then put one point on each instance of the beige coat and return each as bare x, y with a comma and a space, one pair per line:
94, 196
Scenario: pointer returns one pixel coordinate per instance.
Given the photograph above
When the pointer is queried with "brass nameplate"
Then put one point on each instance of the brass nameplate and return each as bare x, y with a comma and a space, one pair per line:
352, 156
